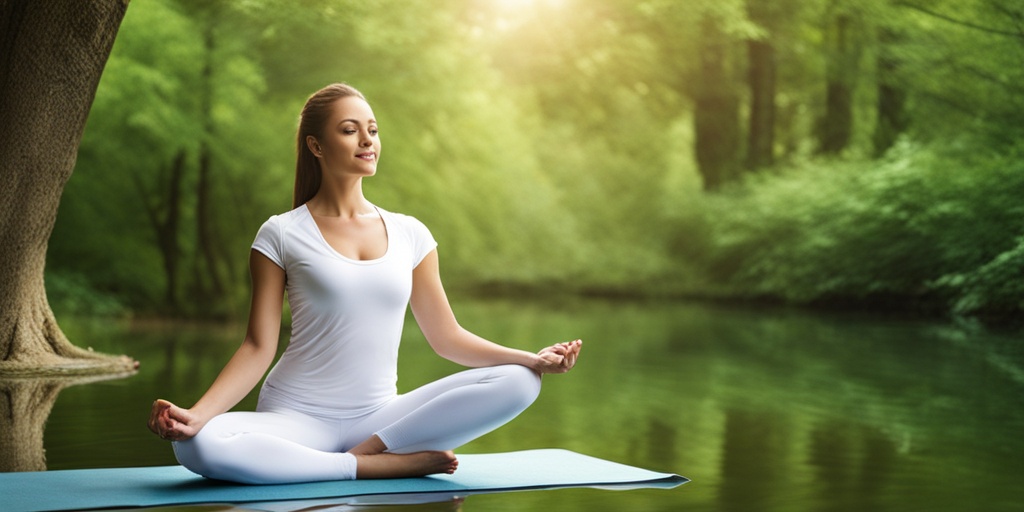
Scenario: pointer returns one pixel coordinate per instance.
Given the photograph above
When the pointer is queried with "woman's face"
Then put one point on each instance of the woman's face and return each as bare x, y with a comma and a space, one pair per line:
349, 143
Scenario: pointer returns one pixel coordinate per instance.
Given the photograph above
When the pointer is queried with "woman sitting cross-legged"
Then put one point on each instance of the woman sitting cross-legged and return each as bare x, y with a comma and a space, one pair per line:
329, 408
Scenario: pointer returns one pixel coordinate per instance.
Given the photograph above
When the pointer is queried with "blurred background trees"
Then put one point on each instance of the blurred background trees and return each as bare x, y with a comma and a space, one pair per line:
859, 152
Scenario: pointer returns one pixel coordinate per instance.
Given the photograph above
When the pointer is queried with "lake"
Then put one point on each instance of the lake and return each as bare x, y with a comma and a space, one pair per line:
763, 409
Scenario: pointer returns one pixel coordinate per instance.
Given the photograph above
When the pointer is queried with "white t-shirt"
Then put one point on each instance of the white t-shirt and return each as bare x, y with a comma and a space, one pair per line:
347, 315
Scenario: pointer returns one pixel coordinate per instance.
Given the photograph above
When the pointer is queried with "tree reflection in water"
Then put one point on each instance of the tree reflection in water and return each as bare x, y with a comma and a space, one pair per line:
25, 404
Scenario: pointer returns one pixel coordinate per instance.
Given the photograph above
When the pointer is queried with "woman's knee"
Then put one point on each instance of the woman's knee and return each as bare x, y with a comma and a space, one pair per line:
191, 454
204, 453
523, 384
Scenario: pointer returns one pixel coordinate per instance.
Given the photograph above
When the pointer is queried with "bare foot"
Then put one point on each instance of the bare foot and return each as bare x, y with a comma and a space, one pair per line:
393, 465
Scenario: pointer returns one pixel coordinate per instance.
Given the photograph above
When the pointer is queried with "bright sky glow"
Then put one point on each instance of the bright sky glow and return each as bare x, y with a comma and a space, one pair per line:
510, 13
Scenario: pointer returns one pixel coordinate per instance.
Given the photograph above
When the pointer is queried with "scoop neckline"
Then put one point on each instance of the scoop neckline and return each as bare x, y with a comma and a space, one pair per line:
332, 250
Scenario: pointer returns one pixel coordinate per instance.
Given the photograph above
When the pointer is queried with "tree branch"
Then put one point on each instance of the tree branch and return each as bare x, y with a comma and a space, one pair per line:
1013, 88
963, 23
1016, 16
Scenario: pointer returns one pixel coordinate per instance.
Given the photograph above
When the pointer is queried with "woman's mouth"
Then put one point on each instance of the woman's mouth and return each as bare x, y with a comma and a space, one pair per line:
367, 156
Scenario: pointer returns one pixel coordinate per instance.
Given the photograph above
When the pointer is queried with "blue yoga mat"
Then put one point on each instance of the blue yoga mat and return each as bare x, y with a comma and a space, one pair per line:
174, 485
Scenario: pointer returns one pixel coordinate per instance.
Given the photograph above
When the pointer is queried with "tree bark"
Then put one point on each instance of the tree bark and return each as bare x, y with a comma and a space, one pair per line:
164, 213
52, 54
892, 98
207, 262
761, 79
716, 111
836, 130
761, 138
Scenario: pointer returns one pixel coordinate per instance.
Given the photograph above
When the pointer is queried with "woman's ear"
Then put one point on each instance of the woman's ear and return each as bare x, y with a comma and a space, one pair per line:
313, 145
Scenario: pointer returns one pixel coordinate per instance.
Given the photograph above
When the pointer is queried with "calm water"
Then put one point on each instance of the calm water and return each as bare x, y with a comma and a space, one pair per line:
769, 410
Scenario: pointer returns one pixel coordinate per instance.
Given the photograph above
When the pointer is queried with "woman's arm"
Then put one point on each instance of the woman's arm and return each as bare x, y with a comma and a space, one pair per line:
450, 340
245, 368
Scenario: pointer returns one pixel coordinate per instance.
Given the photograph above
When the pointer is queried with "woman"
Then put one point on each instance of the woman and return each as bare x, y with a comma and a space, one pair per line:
329, 409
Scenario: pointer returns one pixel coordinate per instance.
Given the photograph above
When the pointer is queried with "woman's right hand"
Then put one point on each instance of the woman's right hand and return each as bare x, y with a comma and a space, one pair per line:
558, 358
171, 422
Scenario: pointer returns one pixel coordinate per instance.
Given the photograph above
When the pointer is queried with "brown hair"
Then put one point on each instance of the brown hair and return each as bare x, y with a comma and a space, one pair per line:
311, 122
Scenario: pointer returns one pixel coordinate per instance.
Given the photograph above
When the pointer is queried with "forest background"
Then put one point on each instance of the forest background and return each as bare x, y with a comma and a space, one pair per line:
860, 153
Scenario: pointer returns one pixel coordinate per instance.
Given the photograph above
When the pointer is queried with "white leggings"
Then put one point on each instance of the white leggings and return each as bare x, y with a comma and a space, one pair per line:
284, 446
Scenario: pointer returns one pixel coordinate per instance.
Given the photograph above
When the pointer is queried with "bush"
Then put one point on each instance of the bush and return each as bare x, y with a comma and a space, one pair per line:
921, 225
73, 294
993, 289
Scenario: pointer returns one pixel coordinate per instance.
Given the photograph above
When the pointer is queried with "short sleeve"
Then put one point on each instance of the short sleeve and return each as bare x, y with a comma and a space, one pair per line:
422, 241
269, 241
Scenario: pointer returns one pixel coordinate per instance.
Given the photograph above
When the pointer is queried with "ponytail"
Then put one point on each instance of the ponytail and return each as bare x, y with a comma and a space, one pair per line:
311, 122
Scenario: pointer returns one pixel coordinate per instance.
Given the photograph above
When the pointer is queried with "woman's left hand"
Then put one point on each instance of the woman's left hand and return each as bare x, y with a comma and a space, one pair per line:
560, 357
172, 423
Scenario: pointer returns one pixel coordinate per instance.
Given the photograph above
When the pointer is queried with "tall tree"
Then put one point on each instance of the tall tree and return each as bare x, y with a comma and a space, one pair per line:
164, 214
892, 116
52, 54
207, 270
761, 77
716, 108
843, 50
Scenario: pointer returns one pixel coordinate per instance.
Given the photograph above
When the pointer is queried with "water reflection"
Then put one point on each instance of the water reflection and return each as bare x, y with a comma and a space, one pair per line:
850, 463
754, 447
764, 410
25, 405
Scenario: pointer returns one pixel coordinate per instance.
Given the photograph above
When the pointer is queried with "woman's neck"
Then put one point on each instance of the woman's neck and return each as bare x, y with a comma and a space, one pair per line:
340, 200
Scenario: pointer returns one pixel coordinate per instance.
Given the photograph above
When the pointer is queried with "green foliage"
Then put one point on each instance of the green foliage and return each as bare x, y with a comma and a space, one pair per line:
73, 294
166, 93
962, 60
920, 225
993, 289
551, 144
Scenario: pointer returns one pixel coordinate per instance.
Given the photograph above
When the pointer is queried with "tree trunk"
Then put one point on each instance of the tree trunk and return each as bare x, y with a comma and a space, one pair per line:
892, 98
52, 54
208, 267
761, 138
716, 111
169, 238
761, 79
164, 213
836, 130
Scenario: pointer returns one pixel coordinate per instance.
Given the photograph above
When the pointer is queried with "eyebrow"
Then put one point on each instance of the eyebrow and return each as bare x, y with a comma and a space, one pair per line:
356, 121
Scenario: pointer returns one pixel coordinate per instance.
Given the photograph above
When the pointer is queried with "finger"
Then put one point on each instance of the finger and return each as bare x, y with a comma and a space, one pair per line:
162, 408
162, 405
155, 418
179, 414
